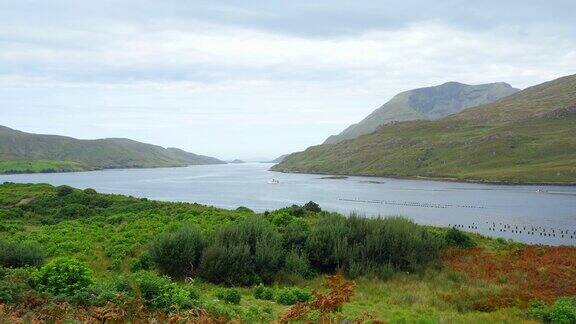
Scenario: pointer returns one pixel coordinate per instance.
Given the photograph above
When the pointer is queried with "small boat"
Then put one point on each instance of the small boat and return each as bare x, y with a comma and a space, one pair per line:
274, 181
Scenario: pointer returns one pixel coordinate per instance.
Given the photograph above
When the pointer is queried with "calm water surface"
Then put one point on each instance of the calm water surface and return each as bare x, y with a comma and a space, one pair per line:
535, 214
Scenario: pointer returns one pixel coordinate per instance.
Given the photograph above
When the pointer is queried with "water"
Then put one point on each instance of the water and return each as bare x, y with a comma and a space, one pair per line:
533, 214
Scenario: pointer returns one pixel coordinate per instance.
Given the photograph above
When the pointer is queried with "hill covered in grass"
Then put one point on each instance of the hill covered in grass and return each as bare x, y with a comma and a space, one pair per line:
69, 255
22, 152
426, 103
527, 137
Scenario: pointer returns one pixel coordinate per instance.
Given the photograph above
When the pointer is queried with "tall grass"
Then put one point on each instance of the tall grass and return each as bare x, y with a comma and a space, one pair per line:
15, 255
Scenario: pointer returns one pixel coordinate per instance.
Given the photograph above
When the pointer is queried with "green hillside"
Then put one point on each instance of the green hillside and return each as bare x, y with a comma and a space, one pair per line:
24, 152
426, 103
527, 137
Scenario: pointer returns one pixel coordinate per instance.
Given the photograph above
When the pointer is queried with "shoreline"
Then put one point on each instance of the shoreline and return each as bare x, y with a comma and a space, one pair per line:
439, 179
104, 169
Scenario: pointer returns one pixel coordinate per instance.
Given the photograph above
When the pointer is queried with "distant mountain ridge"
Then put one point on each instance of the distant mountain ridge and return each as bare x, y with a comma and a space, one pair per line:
426, 103
527, 137
77, 155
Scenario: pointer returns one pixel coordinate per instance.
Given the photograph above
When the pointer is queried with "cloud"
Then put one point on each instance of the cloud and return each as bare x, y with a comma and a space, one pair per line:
172, 72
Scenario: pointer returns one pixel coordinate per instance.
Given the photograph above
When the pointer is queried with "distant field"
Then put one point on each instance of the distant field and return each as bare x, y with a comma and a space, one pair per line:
18, 166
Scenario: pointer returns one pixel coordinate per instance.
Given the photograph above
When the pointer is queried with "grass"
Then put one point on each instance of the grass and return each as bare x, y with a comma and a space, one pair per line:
36, 166
113, 236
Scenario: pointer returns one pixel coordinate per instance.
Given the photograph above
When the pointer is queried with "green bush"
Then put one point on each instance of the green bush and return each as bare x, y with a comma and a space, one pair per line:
244, 253
228, 264
74, 210
263, 292
327, 243
296, 211
312, 207
90, 191
297, 263
281, 219
229, 295
11, 292
14, 282
64, 276
292, 295
14, 255
159, 292
458, 238
62, 191
365, 244
178, 254
295, 235
254, 314
563, 311
243, 209
143, 262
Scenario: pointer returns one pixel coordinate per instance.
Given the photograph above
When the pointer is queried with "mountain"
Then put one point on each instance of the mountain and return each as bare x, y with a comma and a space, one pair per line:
279, 159
237, 161
527, 137
426, 103
25, 152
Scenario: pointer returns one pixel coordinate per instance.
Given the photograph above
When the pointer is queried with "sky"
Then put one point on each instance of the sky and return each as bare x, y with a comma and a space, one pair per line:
257, 79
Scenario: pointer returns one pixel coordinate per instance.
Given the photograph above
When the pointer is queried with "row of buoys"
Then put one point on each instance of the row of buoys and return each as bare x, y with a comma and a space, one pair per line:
528, 230
533, 229
410, 203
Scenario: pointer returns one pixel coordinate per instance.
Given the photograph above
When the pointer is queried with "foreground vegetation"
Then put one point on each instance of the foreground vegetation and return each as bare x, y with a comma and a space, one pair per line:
76, 254
523, 138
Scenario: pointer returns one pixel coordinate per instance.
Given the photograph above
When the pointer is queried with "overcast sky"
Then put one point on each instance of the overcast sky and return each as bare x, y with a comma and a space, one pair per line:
256, 79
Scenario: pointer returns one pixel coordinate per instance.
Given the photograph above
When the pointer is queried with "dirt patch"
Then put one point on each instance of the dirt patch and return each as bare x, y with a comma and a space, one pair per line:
24, 201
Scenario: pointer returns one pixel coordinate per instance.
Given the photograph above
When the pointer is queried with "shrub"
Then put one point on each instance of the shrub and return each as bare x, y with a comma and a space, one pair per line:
62, 191
297, 263
229, 295
458, 238
296, 211
295, 235
228, 264
263, 292
243, 209
14, 255
313, 207
281, 219
244, 253
327, 243
11, 292
90, 191
159, 292
143, 262
178, 254
254, 314
74, 210
64, 276
291, 296
537, 310
562, 311
362, 245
